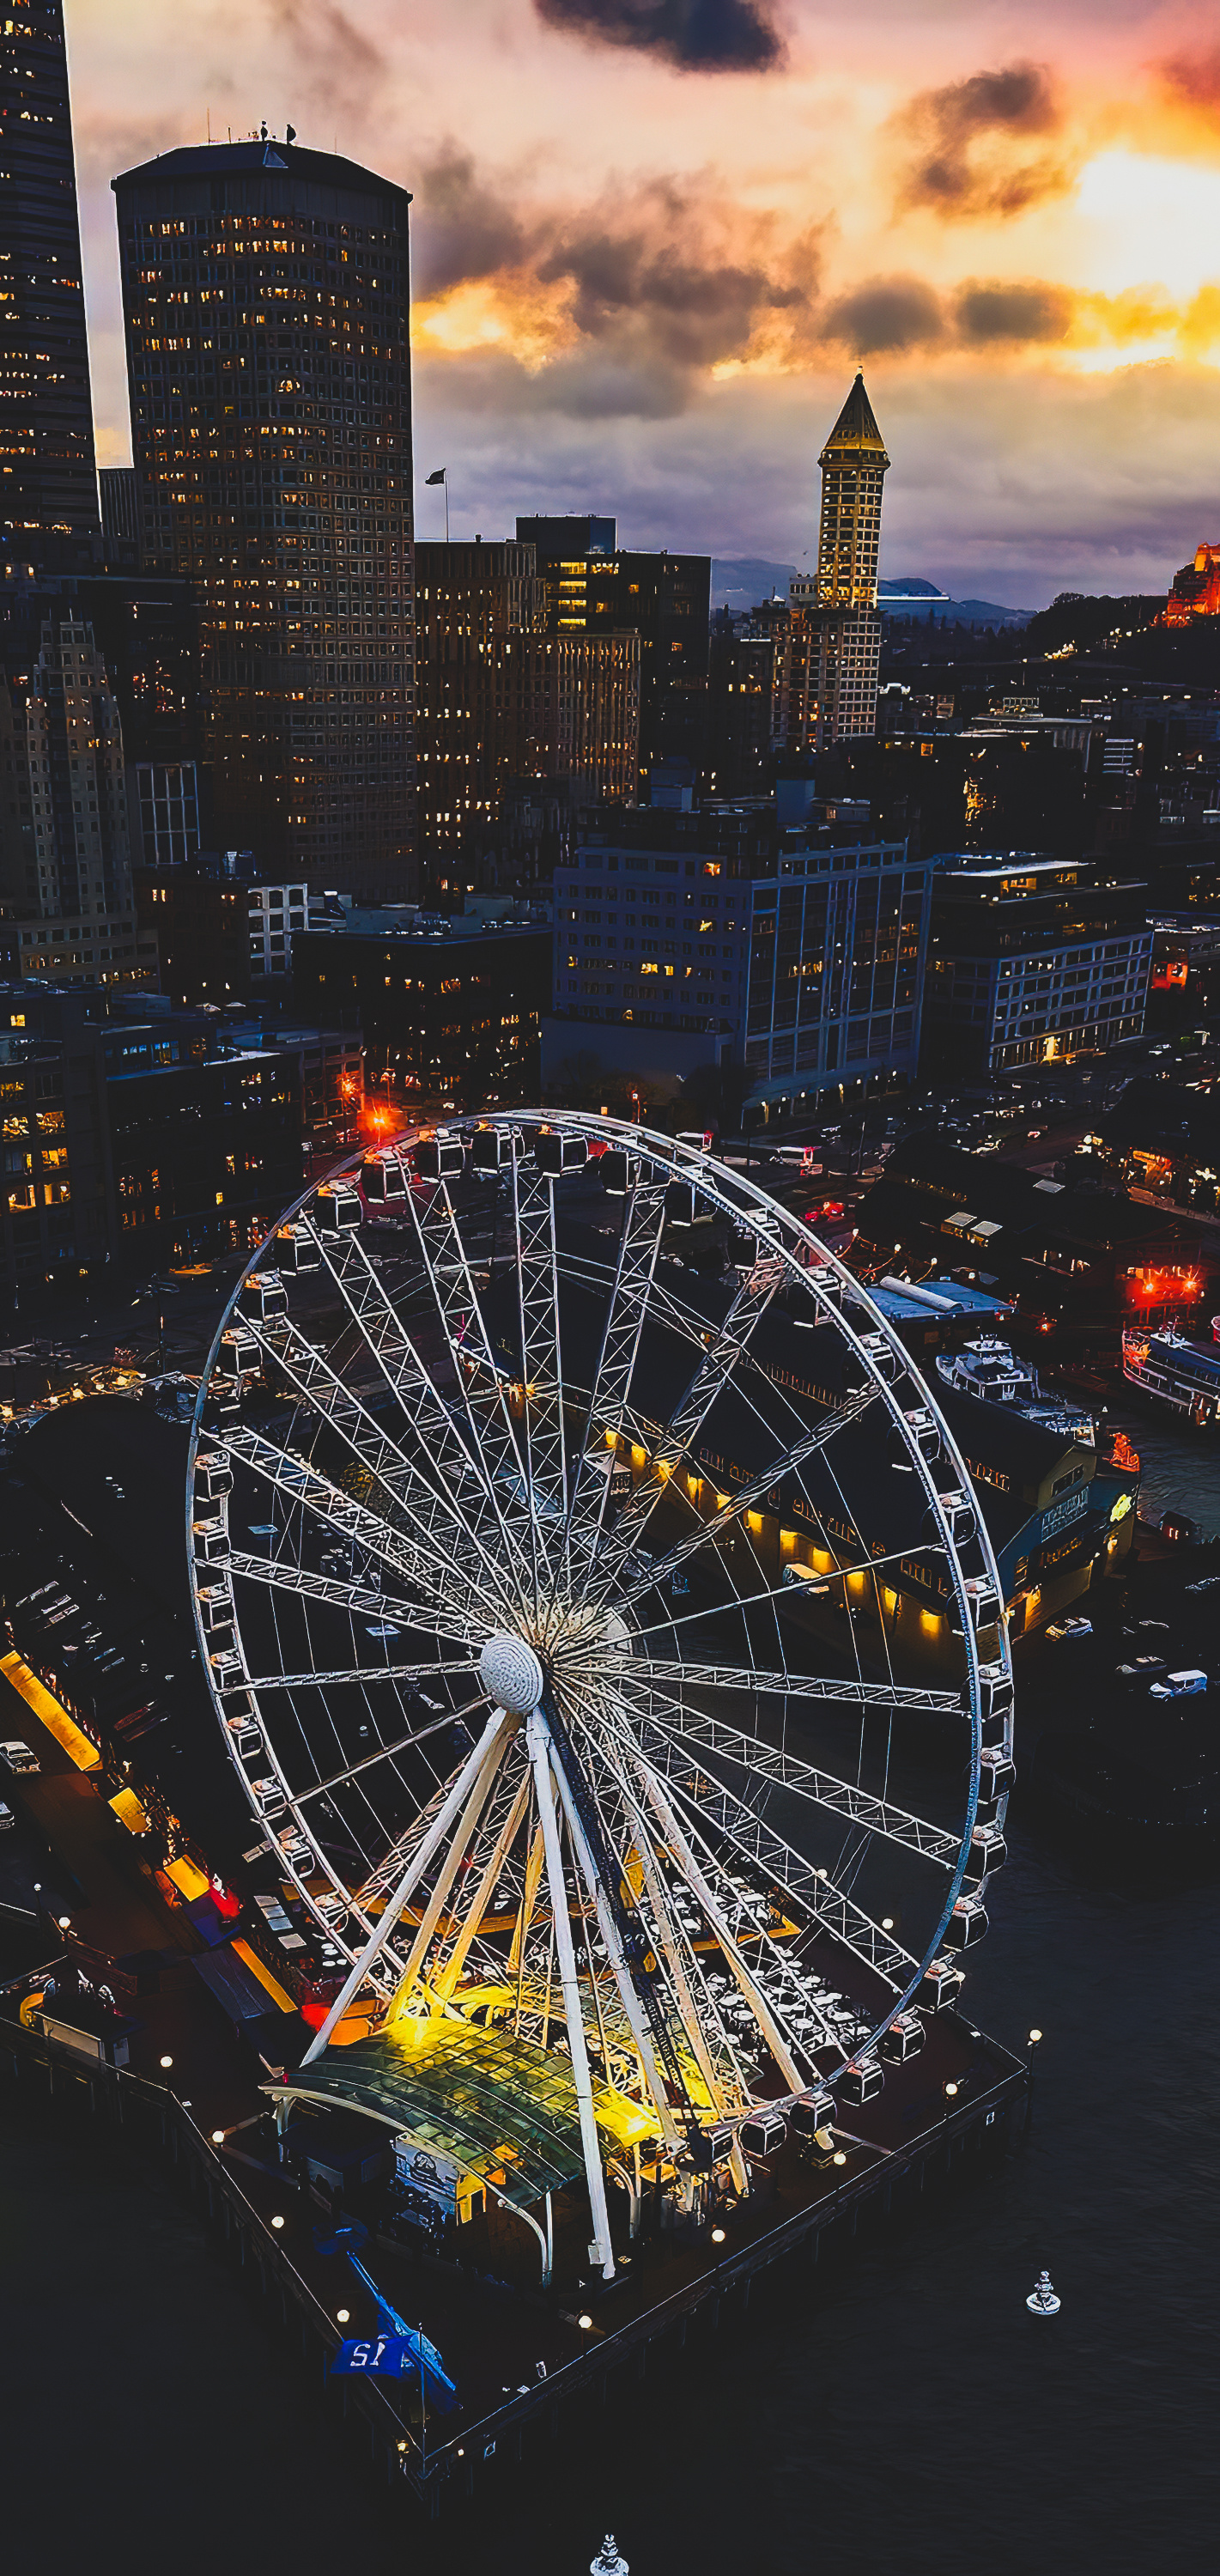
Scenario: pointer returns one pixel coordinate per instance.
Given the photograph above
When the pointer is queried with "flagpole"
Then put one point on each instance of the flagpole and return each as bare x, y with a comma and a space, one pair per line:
446, 505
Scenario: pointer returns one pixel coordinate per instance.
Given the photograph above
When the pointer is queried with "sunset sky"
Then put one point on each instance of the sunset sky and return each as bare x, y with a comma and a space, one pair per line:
651, 237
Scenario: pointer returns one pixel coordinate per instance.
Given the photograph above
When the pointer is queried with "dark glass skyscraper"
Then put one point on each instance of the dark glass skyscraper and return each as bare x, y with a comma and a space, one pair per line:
48, 486
267, 299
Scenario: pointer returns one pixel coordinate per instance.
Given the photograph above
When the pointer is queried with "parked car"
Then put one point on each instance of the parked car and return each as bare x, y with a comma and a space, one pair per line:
1070, 1628
1183, 1685
18, 1755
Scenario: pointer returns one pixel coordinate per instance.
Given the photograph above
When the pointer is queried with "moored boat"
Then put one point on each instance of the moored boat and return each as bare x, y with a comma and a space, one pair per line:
1181, 1376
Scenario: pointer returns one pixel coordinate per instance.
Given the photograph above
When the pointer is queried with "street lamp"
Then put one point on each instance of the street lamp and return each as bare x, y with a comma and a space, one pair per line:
1033, 2041
343, 2316
167, 2062
950, 2098
218, 2137
277, 2222
585, 2324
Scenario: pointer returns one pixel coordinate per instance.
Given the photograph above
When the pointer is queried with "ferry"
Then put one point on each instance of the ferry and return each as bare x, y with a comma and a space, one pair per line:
990, 1370
1178, 1374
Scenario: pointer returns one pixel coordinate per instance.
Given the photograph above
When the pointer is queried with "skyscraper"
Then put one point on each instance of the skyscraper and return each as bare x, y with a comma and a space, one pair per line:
833, 657
48, 486
594, 587
267, 299
504, 698
65, 849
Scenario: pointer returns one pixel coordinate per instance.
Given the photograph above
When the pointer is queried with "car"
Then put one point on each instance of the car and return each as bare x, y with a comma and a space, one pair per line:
18, 1755
7, 1818
832, 1208
1070, 1628
1183, 1685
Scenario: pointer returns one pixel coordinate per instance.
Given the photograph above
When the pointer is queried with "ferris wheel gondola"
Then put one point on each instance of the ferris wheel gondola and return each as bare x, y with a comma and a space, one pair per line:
583, 1571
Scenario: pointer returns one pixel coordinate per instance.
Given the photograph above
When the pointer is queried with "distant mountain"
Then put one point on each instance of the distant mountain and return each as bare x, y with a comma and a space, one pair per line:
912, 586
742, 581
920, 600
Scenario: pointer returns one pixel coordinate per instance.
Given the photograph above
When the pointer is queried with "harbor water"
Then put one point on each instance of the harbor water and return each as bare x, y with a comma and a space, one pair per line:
901, 2414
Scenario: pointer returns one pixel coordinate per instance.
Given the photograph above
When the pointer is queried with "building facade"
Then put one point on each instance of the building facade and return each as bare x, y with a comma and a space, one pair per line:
501, 700
594, 587
267, 302
794, 953
448, 1014
65, 849
48, 482
838, 947
1033, 959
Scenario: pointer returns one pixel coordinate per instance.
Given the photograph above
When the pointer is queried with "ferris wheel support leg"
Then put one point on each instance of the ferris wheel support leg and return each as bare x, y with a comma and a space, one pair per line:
538, 1741
610, 1935
410, 1878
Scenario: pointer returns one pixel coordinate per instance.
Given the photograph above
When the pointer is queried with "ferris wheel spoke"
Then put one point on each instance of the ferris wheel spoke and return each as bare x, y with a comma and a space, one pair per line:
336, 1780
435, 1510
537, 1280
361, 1674
697, 2010
849, 1691
768, 1593
841, 1798
504, 1444
491, 1434
751, 1497
452, 1443
734, 1918
718, 1363
280, 1575
299, 1482
622, 1330
818, 1896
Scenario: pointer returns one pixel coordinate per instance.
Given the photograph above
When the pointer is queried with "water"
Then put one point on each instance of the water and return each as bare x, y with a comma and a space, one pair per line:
1176, 1466
905, 2416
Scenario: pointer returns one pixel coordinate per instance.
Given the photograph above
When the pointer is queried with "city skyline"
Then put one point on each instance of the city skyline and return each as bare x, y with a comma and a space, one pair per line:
631, 308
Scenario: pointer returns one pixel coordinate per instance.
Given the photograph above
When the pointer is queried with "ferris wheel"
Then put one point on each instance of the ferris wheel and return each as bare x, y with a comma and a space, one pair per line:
609, 1646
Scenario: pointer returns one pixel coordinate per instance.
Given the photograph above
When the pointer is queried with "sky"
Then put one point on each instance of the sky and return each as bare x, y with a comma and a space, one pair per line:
653, 238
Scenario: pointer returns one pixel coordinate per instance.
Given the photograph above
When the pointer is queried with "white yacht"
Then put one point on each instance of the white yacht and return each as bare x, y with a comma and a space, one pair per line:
990, 1370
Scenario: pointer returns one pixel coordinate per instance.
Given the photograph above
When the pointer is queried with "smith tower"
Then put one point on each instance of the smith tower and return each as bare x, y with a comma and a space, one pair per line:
48, 486
854, 466
267, 299
833, 655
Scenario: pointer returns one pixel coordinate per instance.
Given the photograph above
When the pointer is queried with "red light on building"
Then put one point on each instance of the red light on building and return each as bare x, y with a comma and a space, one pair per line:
1169, 975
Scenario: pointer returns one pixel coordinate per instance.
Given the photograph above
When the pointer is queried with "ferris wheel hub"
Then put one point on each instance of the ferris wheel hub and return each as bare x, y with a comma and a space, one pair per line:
511, 1675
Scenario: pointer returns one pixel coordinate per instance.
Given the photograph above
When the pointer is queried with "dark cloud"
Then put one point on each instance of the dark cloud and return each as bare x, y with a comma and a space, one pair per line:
692, 35
649, 288
1193, 80
987, 312
885, 313
668, 280
463, 226
970, 143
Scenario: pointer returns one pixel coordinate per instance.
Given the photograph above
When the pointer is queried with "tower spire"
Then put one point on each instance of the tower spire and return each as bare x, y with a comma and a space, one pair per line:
854, 464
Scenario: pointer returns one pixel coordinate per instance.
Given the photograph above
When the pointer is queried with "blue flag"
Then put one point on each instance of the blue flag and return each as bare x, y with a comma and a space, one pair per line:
383, 2356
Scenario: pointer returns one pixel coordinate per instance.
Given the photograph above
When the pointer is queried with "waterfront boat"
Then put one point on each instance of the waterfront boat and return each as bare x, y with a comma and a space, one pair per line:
990, 1370
1180, 1376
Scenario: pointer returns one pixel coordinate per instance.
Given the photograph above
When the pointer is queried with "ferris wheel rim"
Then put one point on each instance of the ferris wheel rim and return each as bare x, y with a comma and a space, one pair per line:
782, 1233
